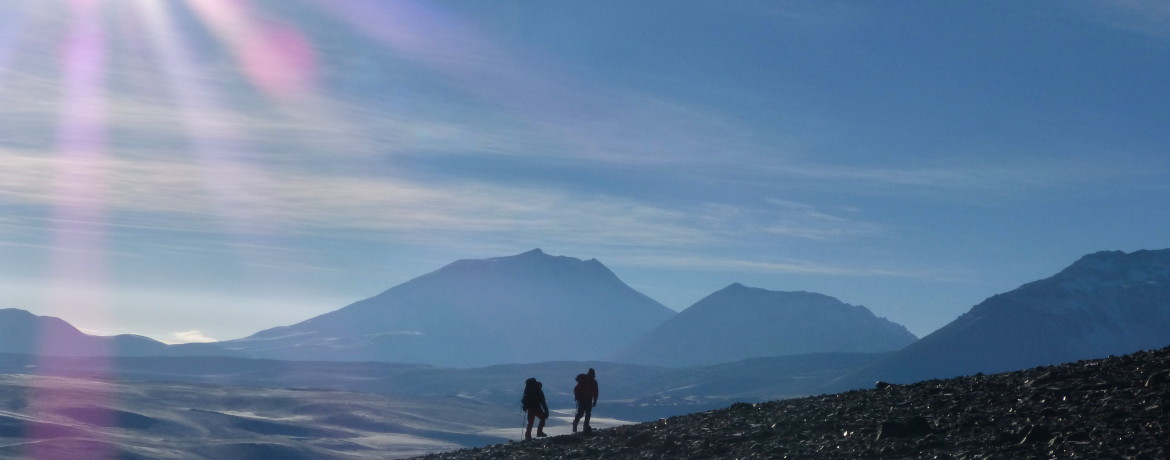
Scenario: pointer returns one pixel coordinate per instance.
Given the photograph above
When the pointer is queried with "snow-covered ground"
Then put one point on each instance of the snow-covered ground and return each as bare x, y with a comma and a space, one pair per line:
86, 417
560, 422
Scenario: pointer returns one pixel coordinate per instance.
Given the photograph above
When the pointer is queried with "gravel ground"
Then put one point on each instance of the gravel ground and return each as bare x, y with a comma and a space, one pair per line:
1110, 408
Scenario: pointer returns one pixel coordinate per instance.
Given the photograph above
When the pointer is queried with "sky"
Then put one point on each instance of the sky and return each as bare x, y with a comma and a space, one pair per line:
195, 170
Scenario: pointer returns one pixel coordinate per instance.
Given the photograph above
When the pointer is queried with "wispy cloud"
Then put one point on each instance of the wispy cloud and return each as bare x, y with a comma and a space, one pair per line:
786, 218
332, 166
1147, 17
794, 267
191, 336
557, 115
956, 179
170, 194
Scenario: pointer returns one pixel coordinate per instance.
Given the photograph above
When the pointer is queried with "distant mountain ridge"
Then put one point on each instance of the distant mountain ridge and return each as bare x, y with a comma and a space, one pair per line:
534, 307
740, 322
1106, 303
25, 333
22, 332
528, 307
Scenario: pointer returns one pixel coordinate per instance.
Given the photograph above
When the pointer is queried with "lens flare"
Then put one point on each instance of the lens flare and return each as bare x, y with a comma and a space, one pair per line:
427, 36
277, 59
79, 206
11, 29
453, 49
214, 148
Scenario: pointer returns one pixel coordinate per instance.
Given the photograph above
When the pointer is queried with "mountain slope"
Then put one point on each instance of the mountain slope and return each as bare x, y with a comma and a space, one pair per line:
740, 322
1111, 408
1107, 303
525, 308
24, 332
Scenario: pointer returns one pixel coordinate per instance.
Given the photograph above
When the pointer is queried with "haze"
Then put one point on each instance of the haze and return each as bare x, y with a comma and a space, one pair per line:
204, 169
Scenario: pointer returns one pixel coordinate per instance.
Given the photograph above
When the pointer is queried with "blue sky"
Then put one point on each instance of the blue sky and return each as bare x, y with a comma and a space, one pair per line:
204, 169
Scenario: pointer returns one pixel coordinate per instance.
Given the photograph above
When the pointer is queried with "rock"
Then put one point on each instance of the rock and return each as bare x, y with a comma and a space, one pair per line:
1037, 434
565, 440
913, 426
1108, 408
640, 439
1158, 379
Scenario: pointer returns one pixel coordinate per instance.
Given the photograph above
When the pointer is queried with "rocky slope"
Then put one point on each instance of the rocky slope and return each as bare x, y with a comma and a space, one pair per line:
1109, 408
740, 322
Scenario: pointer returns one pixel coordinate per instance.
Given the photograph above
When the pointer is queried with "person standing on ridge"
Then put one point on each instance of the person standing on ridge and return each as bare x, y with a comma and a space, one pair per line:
585, 393
534, 404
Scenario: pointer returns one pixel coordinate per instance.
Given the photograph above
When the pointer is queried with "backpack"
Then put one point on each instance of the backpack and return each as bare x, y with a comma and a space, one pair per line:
528, 399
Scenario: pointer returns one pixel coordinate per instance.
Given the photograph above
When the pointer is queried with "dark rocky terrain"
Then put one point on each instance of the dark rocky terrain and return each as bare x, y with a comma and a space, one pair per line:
1117, 407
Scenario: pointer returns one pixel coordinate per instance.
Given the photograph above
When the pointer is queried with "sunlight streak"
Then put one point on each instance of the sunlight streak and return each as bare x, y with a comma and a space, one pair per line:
80, 239
79, 185
11, 29
578, 117
277, 59
441, 42
213, 147
231, 183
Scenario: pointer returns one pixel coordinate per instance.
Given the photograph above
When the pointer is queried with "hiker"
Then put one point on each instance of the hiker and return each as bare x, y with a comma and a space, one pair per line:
533, 403
586, 395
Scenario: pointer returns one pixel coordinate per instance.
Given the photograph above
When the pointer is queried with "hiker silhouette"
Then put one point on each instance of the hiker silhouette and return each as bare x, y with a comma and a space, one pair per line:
534, 404
586, 395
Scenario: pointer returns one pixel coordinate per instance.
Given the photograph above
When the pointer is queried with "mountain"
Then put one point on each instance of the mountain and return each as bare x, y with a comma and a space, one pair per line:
26, 333
1107, 303
529, 307
739, 322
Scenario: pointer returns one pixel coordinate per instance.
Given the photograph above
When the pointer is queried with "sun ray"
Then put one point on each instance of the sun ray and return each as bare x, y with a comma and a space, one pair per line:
214, 148
276, 58
79, 205
438, 41
11, 29
558, 105
220, 151
79, 239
